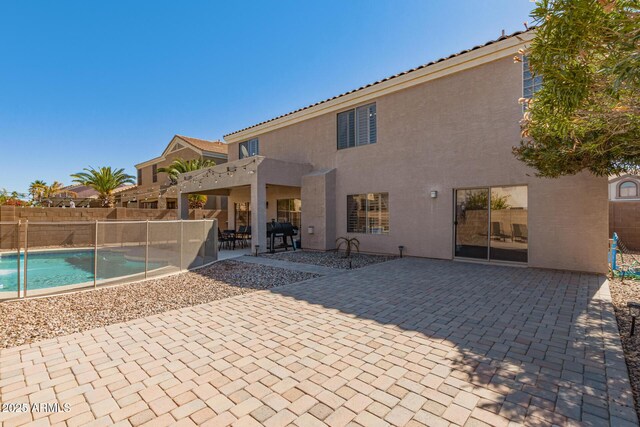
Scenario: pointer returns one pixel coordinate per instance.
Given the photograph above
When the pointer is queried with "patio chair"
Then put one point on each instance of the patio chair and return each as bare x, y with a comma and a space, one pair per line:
241, 236
247, 235
497, 232
226, 240
520, 232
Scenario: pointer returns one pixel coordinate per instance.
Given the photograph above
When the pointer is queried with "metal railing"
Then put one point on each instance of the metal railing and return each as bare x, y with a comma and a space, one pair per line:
55, 257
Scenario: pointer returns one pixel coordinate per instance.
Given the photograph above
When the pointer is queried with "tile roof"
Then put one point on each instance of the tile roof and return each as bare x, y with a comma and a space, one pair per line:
124, 188
386, 79
203, 144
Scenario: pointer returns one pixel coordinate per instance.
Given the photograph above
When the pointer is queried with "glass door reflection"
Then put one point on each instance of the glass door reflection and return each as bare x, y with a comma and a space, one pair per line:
509, 232
472, 223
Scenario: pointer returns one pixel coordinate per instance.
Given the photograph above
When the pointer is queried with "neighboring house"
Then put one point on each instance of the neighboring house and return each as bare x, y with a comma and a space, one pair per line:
422, 159
624, 188
82, 196
154, 189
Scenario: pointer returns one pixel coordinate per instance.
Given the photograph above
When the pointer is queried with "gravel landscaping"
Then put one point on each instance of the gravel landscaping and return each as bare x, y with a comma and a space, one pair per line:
330, 259
31, 320
621, 293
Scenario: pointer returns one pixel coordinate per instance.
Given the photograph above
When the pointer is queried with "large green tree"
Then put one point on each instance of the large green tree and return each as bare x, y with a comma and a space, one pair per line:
586, 116
104, 180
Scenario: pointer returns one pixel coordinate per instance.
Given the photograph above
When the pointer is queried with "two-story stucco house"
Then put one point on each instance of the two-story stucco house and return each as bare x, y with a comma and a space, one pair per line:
154, 189
422, 159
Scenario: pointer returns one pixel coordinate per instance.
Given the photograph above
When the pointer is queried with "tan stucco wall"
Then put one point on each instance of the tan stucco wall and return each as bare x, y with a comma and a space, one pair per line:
318, 209
453, 132
186, 153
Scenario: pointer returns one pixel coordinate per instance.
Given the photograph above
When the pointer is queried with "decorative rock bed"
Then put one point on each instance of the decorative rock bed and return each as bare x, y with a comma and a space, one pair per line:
621, 293
330, 259
27, 321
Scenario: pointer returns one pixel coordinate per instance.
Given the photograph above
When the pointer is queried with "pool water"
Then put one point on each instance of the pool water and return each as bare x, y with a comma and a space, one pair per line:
61, 268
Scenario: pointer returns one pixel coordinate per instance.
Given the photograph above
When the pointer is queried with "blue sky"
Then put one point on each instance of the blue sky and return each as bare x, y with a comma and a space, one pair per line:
108, 83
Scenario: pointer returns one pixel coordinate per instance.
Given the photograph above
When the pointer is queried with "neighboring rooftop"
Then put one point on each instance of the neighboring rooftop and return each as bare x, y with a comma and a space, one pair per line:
501, 38
205, 145
217, 149
84, 192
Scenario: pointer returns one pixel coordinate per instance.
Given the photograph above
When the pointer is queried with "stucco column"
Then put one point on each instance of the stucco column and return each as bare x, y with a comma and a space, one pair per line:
162, 202
258, 214
183, 206
231, 216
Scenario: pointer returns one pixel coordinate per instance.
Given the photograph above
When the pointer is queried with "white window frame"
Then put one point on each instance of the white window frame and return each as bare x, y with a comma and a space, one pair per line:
249, 146
371, 138
368, 229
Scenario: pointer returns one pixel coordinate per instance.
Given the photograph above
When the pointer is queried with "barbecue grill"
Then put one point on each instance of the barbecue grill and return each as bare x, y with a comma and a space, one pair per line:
282, 231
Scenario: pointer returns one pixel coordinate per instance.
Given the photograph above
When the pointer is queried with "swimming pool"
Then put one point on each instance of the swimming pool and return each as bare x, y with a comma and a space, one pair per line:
60, 268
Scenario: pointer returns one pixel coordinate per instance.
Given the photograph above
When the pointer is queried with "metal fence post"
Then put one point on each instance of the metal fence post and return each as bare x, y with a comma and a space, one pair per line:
18, 245
181, 245
146, 253
26, 254
95, 258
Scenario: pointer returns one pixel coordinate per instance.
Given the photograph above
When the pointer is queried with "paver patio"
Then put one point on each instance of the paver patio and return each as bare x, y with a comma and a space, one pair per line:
407, 342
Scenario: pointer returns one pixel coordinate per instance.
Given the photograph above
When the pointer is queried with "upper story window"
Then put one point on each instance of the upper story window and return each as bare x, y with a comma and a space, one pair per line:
357, 127
368, 213
249, 148
139, 176
154, 173
530, 82
628, 189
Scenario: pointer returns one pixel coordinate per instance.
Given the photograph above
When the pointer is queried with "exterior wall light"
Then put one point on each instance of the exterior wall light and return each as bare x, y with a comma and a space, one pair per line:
434, 194
310, 229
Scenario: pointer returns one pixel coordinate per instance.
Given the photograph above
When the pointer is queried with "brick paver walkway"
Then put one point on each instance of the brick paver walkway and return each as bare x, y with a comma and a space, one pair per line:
409, 342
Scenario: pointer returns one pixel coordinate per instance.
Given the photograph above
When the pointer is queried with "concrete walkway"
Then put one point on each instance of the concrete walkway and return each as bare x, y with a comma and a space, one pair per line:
233, 254
296, 266
409, 342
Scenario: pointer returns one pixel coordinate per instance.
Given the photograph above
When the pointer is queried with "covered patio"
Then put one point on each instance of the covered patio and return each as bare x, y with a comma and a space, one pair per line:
252, 184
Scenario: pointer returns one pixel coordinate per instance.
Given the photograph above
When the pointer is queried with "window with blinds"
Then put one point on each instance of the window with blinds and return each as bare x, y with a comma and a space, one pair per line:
368, 213
530, 83
357, 127
154, 173
249, 148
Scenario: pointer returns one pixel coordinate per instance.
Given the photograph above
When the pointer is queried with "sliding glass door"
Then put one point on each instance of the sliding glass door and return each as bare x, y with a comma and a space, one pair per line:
472, 223
491, 223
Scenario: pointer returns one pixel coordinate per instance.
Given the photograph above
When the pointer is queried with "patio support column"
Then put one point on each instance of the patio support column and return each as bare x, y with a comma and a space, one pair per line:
258, 214
183, 206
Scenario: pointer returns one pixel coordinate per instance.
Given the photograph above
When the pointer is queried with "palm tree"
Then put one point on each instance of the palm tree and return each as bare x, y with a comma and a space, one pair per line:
104, 180
196, 201
53, 189
36, 190
181, 166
